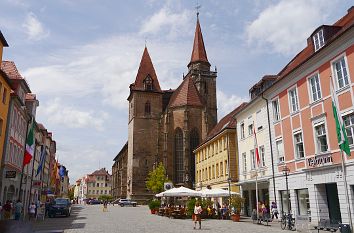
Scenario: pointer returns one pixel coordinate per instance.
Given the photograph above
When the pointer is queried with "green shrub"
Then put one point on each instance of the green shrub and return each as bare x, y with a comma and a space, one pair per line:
154, 204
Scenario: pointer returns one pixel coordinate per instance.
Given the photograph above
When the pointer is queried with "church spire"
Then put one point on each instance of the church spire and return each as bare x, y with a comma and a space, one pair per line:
146, 78
199, 53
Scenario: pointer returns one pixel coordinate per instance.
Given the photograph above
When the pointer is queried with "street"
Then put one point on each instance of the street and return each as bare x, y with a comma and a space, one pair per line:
91, 219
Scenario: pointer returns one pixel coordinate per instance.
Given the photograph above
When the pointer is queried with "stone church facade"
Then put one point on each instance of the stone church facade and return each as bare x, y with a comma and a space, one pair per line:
167, 125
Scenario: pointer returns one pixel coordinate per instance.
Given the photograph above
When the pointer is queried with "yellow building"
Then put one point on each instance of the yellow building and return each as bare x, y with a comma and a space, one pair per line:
5, 90
99, 183
216, 161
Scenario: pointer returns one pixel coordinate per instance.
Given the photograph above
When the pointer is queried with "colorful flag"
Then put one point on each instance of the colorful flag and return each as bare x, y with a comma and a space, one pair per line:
29, 145
340, 128
43, 155
256, 145
62, 171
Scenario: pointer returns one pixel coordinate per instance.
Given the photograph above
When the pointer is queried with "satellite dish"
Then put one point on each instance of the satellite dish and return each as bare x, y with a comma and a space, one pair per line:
168, 185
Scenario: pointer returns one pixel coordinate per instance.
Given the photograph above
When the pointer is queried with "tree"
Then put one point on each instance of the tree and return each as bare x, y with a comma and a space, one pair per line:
156, 179
105, 198
71, 194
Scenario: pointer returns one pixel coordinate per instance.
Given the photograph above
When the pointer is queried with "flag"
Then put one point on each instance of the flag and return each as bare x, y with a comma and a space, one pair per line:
340, 128
29, 145
62, 171
256, 145
43, 155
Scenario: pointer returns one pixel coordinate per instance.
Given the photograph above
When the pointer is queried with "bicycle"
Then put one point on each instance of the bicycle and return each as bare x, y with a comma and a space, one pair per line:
287, 221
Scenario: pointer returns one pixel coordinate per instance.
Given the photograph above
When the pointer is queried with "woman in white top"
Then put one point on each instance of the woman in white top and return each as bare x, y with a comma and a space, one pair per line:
32, 210
197, 212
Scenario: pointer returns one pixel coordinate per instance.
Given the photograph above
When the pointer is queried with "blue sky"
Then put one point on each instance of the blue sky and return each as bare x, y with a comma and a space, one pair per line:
79, 57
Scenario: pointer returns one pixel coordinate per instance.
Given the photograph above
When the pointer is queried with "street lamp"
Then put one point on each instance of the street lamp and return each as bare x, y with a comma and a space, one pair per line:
286, 171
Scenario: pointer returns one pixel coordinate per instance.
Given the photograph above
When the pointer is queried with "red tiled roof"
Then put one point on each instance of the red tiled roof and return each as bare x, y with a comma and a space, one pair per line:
186, 95
145, 68
10, 69
226, 122
199, 52
345, 22
100, 172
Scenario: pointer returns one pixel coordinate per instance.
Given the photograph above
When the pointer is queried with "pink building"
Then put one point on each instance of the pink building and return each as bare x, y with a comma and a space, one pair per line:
303, 126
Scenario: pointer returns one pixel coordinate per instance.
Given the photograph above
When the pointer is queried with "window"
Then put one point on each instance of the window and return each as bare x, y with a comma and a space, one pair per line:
294, 105
285, 201
242, 130
226, 168
217, 170
253, 161
303, 201
147, 108
262, 155
213, 172
148, 83
105, 191
1, 122
4, 96
341, 72
299, 145
318, 40
221, 169
250, 129
321, 138
179, 155
209, 173
101, 191
259, 120
244, 160
276, 112
349, 127
97, 185
280, 153
315, 88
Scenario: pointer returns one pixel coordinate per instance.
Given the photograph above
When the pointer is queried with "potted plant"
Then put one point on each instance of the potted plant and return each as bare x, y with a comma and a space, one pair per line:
154, 205
236, 203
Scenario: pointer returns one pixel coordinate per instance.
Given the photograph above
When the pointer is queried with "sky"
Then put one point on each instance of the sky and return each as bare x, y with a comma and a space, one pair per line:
79, 57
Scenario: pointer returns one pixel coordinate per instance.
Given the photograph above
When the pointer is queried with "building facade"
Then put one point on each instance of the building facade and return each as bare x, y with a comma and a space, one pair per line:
303, 127
119, 174
177, 121
217, 158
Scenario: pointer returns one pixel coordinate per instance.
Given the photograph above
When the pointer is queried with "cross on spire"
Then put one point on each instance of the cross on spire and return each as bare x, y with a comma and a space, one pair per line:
197, 7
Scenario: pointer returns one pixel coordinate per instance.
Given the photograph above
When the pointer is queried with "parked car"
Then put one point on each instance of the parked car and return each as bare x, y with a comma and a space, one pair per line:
59, 206
126, 202
95, 202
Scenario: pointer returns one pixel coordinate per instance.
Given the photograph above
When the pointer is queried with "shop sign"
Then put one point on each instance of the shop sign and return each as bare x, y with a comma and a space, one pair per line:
37, 184
10, 174
319, 160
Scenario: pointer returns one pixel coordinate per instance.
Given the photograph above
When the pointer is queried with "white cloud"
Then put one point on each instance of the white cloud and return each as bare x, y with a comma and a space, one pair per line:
63, 114
165, 18
285, 26
34, 28
227, 103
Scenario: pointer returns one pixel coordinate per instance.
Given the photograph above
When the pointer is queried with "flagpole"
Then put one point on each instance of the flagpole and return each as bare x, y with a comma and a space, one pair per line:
34, 158
346, 190
23, 166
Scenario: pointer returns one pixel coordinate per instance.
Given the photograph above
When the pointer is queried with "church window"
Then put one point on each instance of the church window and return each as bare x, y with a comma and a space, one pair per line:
194, 142
179, 161
148, 83
147, 108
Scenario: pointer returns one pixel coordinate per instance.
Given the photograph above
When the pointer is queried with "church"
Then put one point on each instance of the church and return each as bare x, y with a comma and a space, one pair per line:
166, 125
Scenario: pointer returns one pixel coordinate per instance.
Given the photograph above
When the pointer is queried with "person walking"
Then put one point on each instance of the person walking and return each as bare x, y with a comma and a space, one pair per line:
18, 209
105, 206
197, 215
274, 210
7, 210
32, 211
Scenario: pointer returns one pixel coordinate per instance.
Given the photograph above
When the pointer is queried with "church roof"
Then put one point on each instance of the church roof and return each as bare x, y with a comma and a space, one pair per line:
186, 95
146, 68
227, 121
199, 53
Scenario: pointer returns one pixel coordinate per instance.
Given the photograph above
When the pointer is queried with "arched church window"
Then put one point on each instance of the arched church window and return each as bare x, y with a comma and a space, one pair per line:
179, 161
147, 108
194, 142
148, 83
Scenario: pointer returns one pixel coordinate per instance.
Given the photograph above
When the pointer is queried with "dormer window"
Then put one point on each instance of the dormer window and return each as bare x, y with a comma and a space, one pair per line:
318, 40
148, 83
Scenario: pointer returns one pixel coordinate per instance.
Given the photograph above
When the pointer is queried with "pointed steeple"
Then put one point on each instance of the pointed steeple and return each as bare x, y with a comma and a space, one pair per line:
199, 53
146, 71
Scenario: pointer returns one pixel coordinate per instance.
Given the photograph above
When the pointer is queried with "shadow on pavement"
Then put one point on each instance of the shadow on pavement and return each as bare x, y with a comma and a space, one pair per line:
58, 224
11, 226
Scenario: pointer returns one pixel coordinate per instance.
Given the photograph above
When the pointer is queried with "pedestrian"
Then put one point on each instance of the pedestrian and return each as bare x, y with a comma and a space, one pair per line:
46, 206
38, 205
32, 211
7, 210
274, 210
197, 215
105, 206
18, 209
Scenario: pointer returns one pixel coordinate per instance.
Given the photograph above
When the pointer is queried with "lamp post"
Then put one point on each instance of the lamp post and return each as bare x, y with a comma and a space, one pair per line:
286, 171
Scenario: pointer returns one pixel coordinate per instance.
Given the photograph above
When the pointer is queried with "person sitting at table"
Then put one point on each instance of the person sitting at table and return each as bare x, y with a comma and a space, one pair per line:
210, 211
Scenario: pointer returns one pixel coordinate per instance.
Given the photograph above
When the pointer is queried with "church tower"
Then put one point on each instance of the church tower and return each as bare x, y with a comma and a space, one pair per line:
203, 78
145, 109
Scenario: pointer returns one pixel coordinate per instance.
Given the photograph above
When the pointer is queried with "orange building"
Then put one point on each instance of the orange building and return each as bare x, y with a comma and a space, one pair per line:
303, 126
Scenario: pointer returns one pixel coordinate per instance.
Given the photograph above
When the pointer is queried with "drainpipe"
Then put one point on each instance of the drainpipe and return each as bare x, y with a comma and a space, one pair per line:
271, 149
